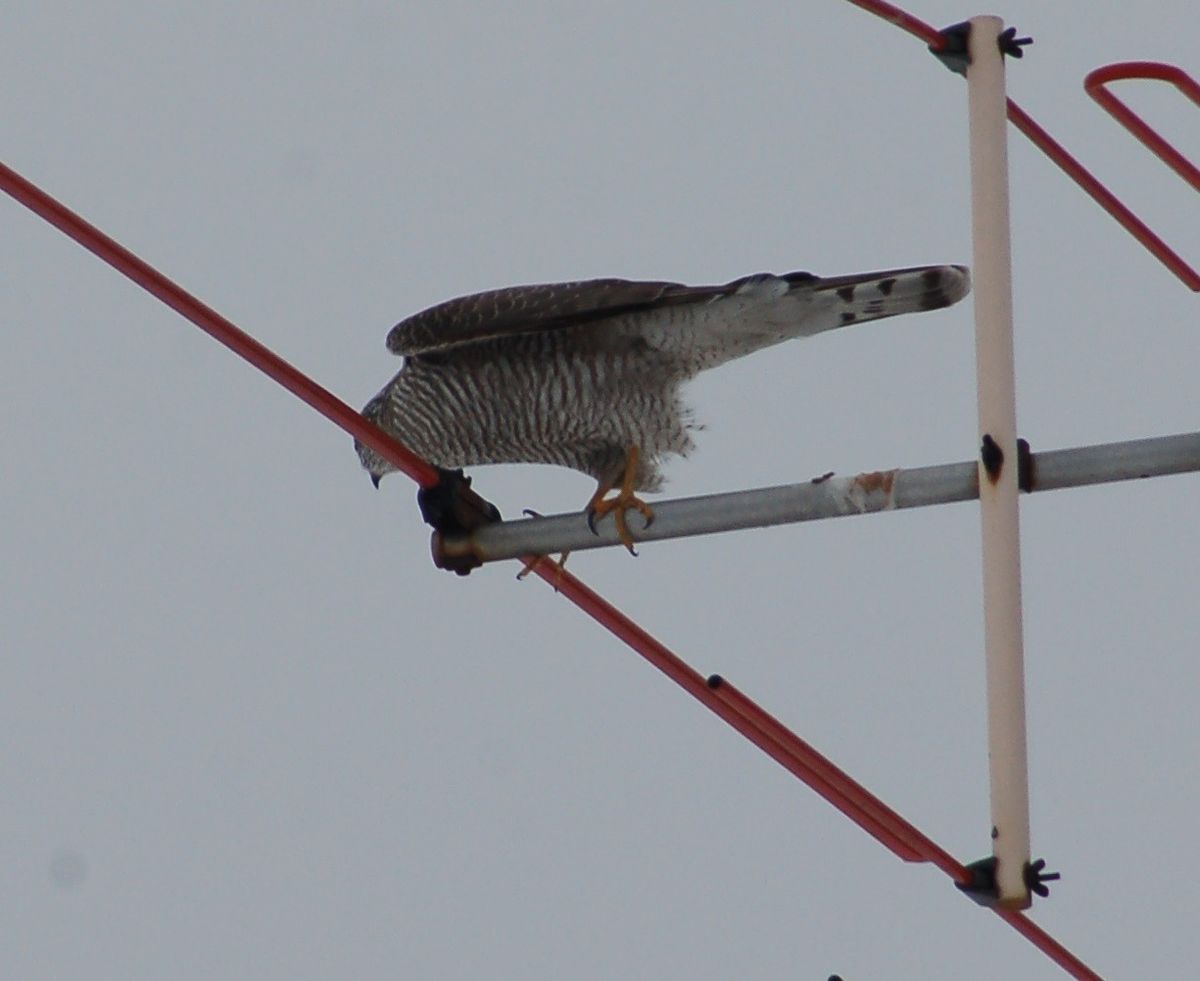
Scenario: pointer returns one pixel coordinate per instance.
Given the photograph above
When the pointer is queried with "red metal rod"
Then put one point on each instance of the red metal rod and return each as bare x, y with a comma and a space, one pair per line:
902, 19
1095, 84
797, 756
827, 780
818, 779
1047, 944
212, 323
756, 725
1103, 196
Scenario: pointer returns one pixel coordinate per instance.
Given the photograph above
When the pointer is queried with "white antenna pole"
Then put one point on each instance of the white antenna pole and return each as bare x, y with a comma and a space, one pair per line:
992, 275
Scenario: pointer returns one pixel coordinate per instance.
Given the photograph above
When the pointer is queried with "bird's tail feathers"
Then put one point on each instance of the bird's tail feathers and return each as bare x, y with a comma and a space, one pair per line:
860, 297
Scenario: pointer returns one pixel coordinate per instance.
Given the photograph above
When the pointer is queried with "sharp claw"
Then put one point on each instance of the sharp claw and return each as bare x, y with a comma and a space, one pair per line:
532, 562
623, 530
624, 501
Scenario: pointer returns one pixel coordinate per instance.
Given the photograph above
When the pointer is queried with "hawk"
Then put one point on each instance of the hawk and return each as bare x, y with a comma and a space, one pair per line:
587, 374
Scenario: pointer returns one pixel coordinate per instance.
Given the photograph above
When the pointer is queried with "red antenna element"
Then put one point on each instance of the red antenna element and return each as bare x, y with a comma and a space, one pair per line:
216, 326
794, 754
1096, 86
1103, 196
904, 20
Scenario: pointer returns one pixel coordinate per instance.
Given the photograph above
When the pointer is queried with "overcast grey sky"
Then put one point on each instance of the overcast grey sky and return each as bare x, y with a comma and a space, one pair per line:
249, 731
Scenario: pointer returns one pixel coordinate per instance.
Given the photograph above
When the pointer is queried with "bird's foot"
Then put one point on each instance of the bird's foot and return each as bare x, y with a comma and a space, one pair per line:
625, 501
531, 562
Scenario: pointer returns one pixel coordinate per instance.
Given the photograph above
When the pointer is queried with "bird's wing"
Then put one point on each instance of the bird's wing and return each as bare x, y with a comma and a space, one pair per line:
554, 306
531, 309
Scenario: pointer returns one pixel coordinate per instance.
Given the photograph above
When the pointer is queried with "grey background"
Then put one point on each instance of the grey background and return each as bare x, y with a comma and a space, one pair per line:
248, 731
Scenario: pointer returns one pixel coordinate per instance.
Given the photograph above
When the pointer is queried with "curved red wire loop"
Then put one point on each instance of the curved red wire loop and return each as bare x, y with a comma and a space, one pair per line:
1096, 86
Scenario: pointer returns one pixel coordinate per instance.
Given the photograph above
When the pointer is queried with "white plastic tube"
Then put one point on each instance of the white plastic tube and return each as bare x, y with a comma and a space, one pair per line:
992, 277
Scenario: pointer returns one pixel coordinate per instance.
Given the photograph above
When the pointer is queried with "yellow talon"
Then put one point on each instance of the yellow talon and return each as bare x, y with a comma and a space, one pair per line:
625, 500
533, 561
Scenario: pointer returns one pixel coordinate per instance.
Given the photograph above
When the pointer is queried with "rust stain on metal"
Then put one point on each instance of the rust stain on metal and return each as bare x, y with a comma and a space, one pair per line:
866, 485
877, 480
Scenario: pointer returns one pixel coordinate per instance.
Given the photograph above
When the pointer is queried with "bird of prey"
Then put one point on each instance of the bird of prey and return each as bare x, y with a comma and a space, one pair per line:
587, 374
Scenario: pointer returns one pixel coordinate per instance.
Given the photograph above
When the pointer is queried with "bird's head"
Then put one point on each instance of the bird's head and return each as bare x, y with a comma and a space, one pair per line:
372, 462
